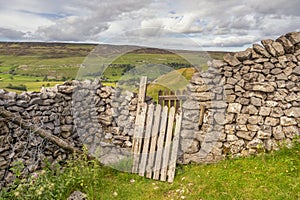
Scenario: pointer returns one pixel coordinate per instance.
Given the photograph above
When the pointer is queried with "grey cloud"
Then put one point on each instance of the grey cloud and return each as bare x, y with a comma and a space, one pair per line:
11, 34
98, 16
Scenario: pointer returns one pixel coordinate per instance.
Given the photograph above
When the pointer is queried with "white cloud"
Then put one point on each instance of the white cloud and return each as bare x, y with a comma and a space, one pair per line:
158, 23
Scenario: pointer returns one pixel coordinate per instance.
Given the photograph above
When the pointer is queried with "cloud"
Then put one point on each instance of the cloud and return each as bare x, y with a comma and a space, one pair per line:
6, 34
209, 22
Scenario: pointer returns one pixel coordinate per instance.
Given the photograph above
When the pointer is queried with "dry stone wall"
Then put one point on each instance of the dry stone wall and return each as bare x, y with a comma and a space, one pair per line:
252, 101
77, 112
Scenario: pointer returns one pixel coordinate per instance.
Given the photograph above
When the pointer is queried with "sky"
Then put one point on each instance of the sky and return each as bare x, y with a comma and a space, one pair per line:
173, 24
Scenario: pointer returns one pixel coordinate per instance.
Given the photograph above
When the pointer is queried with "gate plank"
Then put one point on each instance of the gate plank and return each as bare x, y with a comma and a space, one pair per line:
138, 137
166, 153
160, 144
154, 135
142, 92
145, 150
172, 164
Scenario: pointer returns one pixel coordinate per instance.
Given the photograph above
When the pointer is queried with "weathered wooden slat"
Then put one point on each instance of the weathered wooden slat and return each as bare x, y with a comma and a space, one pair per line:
145, 150
160, 144
154, 135
142, 92
160, 100
138, 137
138, 124
172, 163
166, 152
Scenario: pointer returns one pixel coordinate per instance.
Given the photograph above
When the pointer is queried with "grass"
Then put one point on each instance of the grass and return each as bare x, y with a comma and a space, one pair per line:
266, 176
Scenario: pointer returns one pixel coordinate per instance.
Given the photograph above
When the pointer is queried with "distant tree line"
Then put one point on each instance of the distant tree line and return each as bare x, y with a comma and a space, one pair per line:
176, 65
21, 87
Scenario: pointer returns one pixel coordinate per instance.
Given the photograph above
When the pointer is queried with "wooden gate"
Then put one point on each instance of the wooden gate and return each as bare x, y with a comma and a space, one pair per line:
171, 98
155, 139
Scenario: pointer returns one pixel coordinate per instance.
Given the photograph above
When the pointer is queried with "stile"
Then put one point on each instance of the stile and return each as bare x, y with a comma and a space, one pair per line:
160, 143
166, 152
144, 156
172, 164
154, 135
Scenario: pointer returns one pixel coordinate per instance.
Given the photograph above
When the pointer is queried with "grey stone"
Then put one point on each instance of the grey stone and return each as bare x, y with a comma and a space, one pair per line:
241, 127
247, 135
203, 96
218, 63
234, 108
263, 87
242, 119
77, 195
288, 46
268, 45
278, 133
270, 121
271, 103
188, 134
244, 55
255, 119
291, 131
256, 101
66, 89
65, 134
231, 138
276, 71
263, 135
251, 109
294, 37
220, 118
296, 70
264, 111
281, 76
260, 50
191, 104
255, 144
231, 60
287, 121
278, 48
253, 127
293, 112
276, 112
189, 145
261, 60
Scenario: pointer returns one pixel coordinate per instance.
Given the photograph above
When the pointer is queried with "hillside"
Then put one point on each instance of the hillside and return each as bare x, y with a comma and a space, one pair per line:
31, 65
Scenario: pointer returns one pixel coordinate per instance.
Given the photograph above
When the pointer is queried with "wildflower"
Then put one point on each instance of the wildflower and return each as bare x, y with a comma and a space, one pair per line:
35, 175
17, 194
132, 180
51, 185
39, 192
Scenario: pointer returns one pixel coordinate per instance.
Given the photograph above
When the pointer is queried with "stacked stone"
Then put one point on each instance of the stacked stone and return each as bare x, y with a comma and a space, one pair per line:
124, 111
50, 111
77, 112
202, 137
262, 99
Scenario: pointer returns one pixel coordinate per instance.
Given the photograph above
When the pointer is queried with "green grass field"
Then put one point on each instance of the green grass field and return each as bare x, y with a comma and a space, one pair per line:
273, 176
